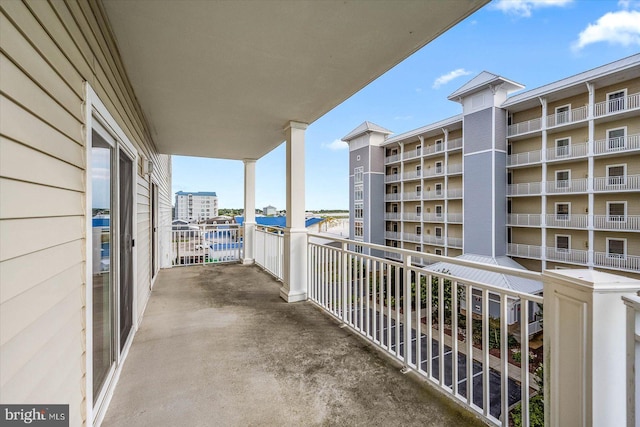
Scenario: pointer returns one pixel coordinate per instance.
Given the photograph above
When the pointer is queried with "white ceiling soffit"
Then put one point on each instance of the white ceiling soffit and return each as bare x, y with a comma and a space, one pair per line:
223, 78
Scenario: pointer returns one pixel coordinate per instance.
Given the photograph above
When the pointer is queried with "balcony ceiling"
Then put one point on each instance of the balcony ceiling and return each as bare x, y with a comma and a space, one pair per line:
223, 78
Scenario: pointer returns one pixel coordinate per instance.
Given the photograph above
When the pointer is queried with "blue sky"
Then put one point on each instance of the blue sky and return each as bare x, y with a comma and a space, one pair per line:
532, 42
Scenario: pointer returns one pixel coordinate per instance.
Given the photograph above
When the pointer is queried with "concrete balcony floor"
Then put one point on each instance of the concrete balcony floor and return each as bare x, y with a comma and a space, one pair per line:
217, 346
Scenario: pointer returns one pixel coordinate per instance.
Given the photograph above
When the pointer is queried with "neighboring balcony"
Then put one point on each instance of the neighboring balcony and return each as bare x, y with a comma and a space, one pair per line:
617, 222
392, 235
412, 216
610, 184
392, 197
622, 144
524, 220
412, 237
392, 178
567, 221
392, 216
580, 221
392, 159
412, 195
601, 109
617, 183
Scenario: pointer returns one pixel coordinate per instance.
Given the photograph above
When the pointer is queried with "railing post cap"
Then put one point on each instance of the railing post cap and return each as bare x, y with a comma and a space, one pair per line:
592, 279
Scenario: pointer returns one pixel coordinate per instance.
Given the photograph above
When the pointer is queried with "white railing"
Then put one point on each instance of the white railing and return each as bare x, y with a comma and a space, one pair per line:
524, 251
454, 217
633, 359
454, 144
425, 319
566, 117
392, 159
568, 186
434, 240
567, 221
411, 154
394, 235
391, 197
412, 237
433, 195
617, 183
523, 189
618, 262
524, 127
269, 250
524, 220
392, 215
434, 171
433, 217
412, 195
454, 168
527, 158
575, 256
411, 216
433, 149
617, 222
454, 193
618, 105
454, 242
392, 178
412, 175
617, 144
568, 152
204, 244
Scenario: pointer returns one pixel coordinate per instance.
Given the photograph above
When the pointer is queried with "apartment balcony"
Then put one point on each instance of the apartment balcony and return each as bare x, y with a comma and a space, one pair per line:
454, 193
392, 178
567, 221
611, 184
392, 197
454, 217
617, 262
616, 184
392, 235
454, 144
567, 186
617, 222
434, 171
412, 237
524, 189
392, 216
454, 242
573, 151
412, 195
572, 256
454, 168
434, 240
524, 251
433, 195
433, 217
524, 220
433, 149
412, 216
393, 256
411, 175
623, 144
524, 159
576, 115
392, 159
411, 154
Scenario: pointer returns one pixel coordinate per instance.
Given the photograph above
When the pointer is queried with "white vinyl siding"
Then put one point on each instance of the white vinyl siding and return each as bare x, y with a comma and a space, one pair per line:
49, 51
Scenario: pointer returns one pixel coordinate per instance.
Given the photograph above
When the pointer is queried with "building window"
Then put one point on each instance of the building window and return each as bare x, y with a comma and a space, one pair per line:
394, 208
418, 248
562, 114
439, 145
419, 190
439, 211
358, 249
563, 147
358, 229
616, 211
616, 139
357, 175
418, 210
418, 170
419, 150
563, 210
438, 231
438, 251
358, 193
563, 179
418, 230
617, 248
616, 101
359, 211
563, 243
616, 174
438, 189
439, 168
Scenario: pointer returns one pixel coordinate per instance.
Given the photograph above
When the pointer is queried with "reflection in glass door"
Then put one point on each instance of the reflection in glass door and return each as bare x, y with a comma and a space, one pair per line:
125, 183
102, 274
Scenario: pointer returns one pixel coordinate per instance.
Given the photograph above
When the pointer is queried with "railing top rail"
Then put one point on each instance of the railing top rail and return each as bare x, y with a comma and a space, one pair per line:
432, 257
632, 301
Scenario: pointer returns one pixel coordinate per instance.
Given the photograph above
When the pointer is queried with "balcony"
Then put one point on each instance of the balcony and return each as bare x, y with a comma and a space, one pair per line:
411, 154
412, 237
526, 158
392, 178
569, 152
617, 106
524, 189
617, 222
411, 175
392, 197
567, 186
567, 221
454, 168
412, 195
454, 217
617, 262
392, 235
524, 127
567, 117
216, 339
412, 216
617, 183
454, 144
392, 159
621, 144
392, 216
524, 220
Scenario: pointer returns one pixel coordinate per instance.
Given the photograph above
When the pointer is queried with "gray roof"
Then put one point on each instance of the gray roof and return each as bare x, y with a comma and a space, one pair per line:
364, 128
581, 78
514, 283
481, 81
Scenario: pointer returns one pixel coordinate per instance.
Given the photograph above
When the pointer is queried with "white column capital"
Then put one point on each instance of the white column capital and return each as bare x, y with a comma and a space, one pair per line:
248, 161
296, 125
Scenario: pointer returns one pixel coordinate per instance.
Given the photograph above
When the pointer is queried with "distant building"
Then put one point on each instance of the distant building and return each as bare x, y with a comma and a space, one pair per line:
269, 210
196, 206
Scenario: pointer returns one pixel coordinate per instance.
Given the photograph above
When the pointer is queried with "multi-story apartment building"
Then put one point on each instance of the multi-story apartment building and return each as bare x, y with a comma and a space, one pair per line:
549, 177
196, 206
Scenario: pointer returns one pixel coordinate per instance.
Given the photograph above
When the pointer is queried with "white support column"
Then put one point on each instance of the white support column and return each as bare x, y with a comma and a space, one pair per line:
249, 211
294, 283
590, 173
543, 185
585, 347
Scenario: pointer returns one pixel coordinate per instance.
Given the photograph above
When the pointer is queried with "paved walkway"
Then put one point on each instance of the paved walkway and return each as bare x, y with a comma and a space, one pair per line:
218, 347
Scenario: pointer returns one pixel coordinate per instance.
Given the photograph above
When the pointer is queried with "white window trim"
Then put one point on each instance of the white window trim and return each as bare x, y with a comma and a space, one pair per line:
418, 230
568, 118
624, 247
568, 153
568, 178
437, 251
439, 164
555, 210
435, 187
435, 232
624, 202
624, 174
568, 242
624, 136
441, 211
624, 107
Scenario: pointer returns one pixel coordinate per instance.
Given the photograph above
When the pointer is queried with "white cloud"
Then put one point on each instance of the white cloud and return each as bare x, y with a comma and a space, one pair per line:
622, 27
525, 7
336, 145
446, 78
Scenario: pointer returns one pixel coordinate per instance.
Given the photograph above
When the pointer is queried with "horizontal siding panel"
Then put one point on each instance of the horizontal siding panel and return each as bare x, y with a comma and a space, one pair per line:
21, 311
45, 341
40, 71
18, 86
42, 42
25, 200
30, 130
20, 162
17, 275
23, 236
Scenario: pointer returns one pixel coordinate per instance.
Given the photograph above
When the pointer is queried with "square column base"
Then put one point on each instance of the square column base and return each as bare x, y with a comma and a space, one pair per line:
292, 296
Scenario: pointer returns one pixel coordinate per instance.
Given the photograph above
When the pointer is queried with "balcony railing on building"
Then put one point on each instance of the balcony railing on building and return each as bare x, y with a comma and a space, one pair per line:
580, 185
193, 244
269, 252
